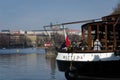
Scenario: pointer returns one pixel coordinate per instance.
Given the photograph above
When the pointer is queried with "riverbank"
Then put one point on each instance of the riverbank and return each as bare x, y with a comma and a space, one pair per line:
22, 50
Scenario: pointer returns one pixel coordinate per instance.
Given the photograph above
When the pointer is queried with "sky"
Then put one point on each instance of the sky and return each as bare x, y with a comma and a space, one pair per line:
34, 14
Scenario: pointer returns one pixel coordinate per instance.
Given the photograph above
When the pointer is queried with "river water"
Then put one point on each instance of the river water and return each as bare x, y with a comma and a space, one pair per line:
30, 64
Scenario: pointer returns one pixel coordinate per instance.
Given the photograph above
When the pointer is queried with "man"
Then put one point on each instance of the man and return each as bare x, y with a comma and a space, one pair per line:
97, 45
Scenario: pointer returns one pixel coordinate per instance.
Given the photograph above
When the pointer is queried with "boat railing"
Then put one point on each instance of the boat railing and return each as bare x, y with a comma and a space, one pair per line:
77, 50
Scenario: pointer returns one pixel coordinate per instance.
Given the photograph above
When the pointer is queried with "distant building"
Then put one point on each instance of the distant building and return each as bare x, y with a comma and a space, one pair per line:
75, 32
21, 38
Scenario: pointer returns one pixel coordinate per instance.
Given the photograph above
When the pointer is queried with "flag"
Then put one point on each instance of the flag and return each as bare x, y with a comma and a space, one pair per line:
67, 41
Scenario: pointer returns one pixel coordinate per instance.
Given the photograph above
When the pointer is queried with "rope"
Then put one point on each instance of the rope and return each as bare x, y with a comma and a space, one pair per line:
71, 63
116, 21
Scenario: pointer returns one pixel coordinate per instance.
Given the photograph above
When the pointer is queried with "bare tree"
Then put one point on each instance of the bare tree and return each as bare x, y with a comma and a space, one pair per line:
116, 9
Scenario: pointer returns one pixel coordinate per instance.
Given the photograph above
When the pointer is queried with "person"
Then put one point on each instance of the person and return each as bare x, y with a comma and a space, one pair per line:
63, 46
83, 44
97, 45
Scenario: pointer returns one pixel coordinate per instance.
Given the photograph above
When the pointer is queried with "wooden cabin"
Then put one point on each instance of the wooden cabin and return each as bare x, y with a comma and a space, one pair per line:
107, 31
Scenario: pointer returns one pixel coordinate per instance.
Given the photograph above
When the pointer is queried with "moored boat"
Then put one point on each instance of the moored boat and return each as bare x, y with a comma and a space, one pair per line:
100, 56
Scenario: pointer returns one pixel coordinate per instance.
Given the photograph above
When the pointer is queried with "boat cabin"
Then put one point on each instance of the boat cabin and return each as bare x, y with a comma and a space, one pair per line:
107, 31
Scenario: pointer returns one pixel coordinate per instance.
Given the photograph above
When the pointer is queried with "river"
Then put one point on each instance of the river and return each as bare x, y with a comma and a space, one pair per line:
30, 64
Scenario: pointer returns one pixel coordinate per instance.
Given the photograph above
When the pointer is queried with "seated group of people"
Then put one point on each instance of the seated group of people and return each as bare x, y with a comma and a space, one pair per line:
82, 45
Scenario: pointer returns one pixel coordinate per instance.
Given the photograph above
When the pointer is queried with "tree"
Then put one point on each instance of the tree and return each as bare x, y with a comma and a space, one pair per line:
117, 9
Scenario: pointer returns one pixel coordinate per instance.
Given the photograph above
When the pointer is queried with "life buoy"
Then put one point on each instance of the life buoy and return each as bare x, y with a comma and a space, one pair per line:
71, 73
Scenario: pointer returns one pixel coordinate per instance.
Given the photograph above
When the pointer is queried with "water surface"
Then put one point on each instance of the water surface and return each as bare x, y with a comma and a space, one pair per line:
28, 66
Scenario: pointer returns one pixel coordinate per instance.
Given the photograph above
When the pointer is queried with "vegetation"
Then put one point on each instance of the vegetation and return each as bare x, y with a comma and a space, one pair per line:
60, 39
117, 9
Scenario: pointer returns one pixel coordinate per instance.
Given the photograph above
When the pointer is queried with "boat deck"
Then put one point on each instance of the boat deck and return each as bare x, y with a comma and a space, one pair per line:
88, 51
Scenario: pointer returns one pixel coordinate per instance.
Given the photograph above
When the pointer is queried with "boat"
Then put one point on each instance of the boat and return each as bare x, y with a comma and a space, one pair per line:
88, 61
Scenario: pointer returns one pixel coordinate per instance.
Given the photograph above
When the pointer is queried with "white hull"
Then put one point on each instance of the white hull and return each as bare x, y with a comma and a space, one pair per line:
87, 56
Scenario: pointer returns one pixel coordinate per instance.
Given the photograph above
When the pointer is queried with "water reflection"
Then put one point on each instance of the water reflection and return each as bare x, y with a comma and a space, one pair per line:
51, 61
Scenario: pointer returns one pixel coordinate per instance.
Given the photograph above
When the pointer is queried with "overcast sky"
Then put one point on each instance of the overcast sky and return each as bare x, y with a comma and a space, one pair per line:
34, 14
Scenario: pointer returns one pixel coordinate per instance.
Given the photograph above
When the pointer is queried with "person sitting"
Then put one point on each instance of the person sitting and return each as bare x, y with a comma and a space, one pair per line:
84, 45
63, 46
97, 45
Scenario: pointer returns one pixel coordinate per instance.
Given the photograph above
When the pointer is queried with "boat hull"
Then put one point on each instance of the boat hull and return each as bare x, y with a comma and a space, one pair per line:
99, 68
